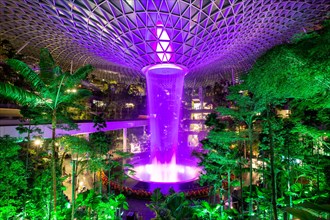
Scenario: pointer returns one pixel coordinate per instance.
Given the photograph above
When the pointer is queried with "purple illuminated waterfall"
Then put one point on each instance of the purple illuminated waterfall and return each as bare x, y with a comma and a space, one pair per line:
165, 86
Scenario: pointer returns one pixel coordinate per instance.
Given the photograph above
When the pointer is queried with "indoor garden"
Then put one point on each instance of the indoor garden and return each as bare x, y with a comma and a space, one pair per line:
266, 155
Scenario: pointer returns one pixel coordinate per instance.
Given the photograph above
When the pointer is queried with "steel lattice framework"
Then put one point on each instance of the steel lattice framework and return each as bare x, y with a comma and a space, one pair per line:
211, 38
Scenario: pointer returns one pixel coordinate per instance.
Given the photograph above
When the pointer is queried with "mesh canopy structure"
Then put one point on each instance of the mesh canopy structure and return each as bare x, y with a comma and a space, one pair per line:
213, 39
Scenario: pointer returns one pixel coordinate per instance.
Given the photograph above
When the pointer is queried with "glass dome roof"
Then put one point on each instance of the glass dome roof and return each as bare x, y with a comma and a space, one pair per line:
213, 39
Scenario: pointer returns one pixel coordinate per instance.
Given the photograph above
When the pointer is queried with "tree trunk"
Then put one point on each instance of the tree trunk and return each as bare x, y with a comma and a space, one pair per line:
229, 191
61, 164
263, 176
289, 183
250, 168
73, 188
221, 202
317, 168
214, 196
100, 175
241, 202
28, 145
94, 180
109, 173
272, 168
54, 156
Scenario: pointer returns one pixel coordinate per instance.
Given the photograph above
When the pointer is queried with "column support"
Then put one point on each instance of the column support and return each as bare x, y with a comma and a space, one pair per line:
125, 139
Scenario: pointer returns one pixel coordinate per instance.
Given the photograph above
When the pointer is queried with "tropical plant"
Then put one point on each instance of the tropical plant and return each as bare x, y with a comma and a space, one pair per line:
100, 142
245, 111
38, 204
48, 94
203, 210
173, 206
92, 205
12, 175
78, 147
291, 75
113, 207
310, 211
221, 158
178, 205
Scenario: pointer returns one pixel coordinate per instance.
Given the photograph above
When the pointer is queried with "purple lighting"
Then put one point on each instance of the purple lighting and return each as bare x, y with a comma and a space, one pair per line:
213, 39
164, 48
165, 86
166, 172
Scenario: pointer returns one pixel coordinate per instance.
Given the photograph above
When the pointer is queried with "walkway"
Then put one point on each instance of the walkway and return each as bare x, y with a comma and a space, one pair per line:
8, 127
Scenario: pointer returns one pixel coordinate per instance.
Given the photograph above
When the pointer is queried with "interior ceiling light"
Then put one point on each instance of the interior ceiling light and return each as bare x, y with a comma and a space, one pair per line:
164, 47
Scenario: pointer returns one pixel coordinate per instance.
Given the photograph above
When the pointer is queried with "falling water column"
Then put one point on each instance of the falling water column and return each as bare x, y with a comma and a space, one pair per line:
165, 86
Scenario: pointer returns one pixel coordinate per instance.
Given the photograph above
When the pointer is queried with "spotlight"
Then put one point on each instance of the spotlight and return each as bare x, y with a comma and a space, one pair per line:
37, 142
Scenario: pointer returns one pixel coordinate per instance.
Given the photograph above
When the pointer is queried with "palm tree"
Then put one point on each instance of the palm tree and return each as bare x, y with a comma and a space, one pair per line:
50, 93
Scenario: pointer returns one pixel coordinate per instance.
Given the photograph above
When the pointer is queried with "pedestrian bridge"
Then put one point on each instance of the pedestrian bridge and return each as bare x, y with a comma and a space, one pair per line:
8, 127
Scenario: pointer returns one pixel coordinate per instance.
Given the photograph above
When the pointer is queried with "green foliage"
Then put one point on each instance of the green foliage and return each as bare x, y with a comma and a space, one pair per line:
203, 210
91, 205
101, 142
178, 205
293, 150
46, 65
111, 209
157, 197
310, 211
217, 157
213, 121
38, 197
173, 206
19, 95
12, 175
303, 36
75, 144
293, 71
245, 107
79, 74
49, 95
32, 77
294, 75
49, 88
222, 147
87, 203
